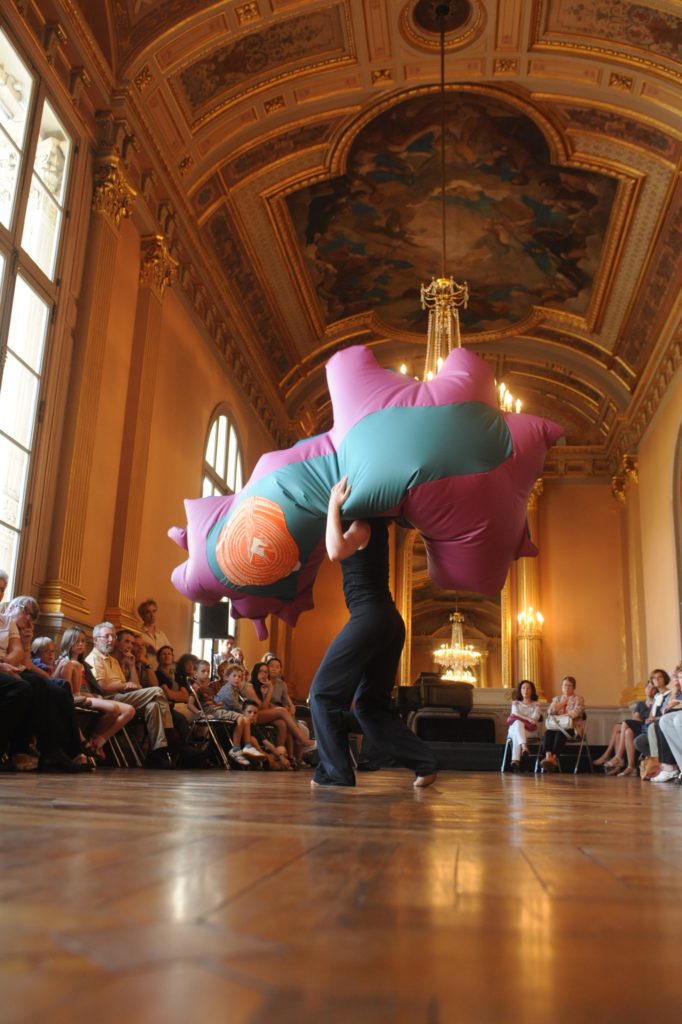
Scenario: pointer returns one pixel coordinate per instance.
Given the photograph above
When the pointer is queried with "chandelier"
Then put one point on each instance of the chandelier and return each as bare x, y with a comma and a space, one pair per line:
457, 659
443, 297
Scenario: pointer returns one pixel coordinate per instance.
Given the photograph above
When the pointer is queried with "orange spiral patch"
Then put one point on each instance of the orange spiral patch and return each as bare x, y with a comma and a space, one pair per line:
255, 547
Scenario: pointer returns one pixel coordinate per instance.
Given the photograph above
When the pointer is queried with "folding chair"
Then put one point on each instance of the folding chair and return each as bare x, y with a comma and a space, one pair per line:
580, 740
534, 743
209, 722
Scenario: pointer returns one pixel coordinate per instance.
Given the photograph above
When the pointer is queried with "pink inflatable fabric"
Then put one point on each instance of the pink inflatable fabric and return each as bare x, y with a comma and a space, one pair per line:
438, 454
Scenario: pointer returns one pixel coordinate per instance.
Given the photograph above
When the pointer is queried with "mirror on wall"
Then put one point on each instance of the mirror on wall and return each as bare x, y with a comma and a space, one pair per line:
427, 609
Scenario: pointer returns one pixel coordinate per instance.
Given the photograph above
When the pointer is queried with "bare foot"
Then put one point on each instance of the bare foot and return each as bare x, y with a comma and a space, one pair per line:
422, 781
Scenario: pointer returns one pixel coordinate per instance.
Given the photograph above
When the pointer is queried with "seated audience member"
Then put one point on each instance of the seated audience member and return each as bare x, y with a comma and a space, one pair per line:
236, 654
113, 714
153, 636
112, 682
667, 728
16, 698
54, 717
523, 718
647, 742
165, 668
144, 670
277, 757
623, 737
4, 580
259, 692
565, 720
279, 695
226, 706
224, 652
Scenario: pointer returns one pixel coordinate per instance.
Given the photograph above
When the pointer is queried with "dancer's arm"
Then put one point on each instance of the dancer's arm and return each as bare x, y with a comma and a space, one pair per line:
342, 545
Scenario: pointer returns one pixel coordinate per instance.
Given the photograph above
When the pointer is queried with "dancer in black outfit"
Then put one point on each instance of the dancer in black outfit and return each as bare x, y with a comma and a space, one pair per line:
361, 662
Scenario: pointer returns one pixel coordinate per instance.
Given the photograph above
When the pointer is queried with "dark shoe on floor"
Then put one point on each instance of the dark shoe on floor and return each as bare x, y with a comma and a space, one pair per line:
58, 761
159, 758
516, 767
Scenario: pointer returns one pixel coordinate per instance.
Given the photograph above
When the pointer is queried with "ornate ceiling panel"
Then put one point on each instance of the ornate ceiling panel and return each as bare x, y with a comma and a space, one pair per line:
297, 142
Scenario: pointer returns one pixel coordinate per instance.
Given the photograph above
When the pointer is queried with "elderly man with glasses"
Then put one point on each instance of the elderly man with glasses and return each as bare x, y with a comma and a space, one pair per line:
150, 700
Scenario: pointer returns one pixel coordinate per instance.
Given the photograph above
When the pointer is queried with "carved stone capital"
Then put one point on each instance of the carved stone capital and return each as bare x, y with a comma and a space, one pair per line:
536, 492
158, 268
113, 196
627, 473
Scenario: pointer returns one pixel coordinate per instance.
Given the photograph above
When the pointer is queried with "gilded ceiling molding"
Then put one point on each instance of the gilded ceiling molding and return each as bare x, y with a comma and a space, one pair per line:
535, 494
539, 41
158, 269
340, 150
244, 58
455, 39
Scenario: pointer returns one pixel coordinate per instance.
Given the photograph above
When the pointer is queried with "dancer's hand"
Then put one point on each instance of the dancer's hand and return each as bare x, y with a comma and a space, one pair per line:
340, 493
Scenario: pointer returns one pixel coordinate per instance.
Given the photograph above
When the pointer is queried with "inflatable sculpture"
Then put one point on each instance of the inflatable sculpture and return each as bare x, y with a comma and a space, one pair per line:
438, 455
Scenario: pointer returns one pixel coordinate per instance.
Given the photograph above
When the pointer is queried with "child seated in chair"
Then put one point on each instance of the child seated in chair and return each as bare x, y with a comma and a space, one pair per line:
225, 706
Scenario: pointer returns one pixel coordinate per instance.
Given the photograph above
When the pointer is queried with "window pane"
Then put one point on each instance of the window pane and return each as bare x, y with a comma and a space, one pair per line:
231, 459
16, 87
206, 488
41, 227
18, 398
9, 169
52, 155
48, 184
210, 447
14, 463
28, 325
220, 450
9, 548
238, 478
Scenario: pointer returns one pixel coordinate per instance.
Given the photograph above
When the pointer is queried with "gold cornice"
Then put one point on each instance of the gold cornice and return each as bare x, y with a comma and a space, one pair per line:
158, 269
113, 195
535, 494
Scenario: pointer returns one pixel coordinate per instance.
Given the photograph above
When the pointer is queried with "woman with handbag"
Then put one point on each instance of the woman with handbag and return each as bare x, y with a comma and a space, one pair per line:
524, 717
565, 720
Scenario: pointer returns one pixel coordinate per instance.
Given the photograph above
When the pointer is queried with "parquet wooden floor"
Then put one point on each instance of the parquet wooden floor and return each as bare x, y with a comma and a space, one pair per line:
244, 898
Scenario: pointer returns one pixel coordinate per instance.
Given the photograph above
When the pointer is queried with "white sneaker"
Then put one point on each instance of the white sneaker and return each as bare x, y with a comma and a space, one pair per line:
248, 750
667, 775
236, 755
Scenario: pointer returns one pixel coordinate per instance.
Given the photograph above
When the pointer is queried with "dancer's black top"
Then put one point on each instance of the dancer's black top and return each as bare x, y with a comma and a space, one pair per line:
365, 573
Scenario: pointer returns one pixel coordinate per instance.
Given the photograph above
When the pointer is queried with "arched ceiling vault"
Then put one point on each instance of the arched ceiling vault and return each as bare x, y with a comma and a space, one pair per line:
296, 143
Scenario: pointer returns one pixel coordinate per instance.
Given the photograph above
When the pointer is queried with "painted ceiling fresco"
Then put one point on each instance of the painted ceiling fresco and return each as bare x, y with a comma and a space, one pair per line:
521, 230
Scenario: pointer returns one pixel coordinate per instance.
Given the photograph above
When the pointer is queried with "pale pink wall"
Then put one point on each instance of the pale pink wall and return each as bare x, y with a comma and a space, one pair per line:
190, 384
662, 586
581, 588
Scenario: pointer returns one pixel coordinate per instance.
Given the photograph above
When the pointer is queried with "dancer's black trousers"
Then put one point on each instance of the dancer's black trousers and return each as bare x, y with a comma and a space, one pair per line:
361, 664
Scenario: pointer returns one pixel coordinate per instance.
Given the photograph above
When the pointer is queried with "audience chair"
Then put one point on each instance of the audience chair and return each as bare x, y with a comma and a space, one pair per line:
579, 741
534, 748
210, 724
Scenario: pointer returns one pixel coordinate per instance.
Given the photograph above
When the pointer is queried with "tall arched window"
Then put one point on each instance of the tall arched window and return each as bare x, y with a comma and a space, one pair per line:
222, 474
35, 159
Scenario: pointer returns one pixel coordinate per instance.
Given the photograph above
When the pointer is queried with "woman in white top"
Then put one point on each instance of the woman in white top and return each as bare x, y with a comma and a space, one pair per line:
524, 717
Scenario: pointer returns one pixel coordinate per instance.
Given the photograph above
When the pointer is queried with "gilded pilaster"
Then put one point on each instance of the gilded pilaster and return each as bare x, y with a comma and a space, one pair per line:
112, 200
529, 638
624, 484
157, 272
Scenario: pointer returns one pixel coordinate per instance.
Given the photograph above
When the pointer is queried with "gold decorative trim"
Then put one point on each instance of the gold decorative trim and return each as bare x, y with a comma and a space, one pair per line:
247, 12
143, 78
422, 39
276, 103
158, 269
185, 165
113, 196
605, 53
622, 82
506, 66
54, 37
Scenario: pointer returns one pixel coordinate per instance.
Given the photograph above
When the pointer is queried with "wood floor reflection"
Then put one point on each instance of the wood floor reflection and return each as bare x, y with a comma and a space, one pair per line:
233, 897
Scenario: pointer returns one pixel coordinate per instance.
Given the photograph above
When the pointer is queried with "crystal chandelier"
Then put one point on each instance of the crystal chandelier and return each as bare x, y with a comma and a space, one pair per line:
443, 297
457, 659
